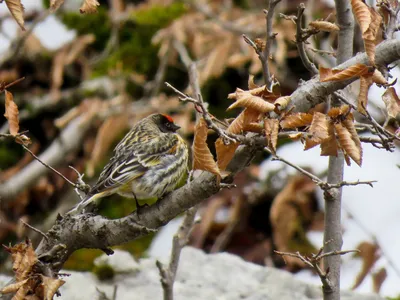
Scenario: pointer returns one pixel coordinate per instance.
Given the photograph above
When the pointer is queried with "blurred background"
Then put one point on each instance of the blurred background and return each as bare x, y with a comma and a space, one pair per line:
89, 78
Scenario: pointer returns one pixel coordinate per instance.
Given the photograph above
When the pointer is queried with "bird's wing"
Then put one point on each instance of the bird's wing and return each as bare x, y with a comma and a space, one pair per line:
132, 161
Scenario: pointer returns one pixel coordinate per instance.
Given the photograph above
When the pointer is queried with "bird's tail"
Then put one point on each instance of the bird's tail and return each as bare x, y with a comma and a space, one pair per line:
83, 204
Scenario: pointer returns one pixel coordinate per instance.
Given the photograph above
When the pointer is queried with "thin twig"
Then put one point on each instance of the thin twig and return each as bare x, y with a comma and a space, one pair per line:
313, 262
49, 167
322, 184
206, 115
300, 41
269, 16
34, 229
385, 136
229, 26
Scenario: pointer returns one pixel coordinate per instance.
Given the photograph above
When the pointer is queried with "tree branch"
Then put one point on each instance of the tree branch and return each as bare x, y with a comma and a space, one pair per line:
69, 140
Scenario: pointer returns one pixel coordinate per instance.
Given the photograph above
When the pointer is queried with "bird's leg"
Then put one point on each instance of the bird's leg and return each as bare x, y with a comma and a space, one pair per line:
136, 202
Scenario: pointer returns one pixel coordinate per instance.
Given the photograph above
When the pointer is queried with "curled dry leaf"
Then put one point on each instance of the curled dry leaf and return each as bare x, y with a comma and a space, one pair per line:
392, 102
365, 83
24, 258
55, 4
282, 102
11, 113
89, 7
253, 127
362, 14
225, 152
369, 21
251, 83
370, 36
339, 75
14, 287
296, 136
246, 99
349, 140
202, 157
335, 112
50, 286
318, 130
17, 11
324, 26
378, 78
271, 133
329, 147
296, 120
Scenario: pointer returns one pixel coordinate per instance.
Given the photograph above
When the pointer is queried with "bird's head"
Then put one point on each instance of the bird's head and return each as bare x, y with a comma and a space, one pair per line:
164, 122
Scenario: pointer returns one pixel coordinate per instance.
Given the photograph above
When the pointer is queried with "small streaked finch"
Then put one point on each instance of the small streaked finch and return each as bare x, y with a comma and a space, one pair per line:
149, 162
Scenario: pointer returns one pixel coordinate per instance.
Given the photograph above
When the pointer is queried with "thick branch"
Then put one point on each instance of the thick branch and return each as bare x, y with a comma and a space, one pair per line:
314, 92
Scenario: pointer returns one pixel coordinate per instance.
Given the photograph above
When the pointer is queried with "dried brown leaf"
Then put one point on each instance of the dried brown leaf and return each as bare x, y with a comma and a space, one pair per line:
251, 83
362, 14
377, 280
370, 36
329, 146
324, 26
369, 255
392, 102
349, 140
23, 291
296, 120
202, 157
318, 130
296, 136
89, 7
282, 102
17, 11
335, 112
13, 287
378, 77
271, 133
365, 83
11, 113
50, 286
247, 116
24, 258
252, 127
246, 99
55, 4
339, 75
225, 153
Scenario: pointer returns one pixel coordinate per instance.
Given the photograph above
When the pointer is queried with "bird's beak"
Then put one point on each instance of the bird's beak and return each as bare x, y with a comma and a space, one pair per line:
175, 127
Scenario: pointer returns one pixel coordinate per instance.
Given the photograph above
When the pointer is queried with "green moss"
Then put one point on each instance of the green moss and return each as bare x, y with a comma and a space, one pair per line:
98, 24
104, 272
82, 260
159, 15
10, 153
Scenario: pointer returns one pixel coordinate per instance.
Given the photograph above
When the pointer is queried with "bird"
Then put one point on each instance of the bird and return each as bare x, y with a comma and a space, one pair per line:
150, 161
